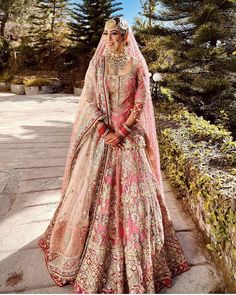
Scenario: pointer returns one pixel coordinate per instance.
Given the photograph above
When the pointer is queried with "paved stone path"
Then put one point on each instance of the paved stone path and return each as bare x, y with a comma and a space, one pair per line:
34, 138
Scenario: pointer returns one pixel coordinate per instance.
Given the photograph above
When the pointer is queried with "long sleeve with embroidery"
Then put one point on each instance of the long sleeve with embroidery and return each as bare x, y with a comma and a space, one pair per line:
89, 90
140, 96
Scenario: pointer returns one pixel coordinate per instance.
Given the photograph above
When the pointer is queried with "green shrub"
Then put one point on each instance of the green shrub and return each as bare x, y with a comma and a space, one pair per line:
200, 161
38, 82
18, 81
6, 77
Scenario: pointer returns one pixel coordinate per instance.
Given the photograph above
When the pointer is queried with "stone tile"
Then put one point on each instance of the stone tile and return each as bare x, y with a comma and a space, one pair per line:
4, 178
171, 200
197, 280
23, 220
34, 173
24, 269
167, 186
20, 236
35, 145
33, 152
192, 250
181, 220
31, 163
40, 184
163, 175
67, 289
36, 198
34, 214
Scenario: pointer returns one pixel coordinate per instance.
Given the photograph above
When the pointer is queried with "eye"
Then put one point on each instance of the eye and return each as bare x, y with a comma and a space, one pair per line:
104, 33
114, 33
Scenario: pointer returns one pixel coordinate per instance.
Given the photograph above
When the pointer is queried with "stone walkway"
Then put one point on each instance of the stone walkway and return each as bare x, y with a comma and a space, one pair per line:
34, 138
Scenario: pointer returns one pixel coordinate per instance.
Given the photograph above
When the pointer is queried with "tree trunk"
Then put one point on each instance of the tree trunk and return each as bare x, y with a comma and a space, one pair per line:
53, 17
3, 24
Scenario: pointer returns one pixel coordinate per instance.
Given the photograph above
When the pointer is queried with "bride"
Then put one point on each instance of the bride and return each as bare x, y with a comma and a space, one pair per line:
111, 231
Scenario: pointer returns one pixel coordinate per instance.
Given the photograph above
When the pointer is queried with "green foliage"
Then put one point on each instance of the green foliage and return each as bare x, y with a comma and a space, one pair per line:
5, 51
46, 36
158, 57
193, 41
38, 82
149, 8
209, 191
201, 129
6, 77
210, 85
88, 20
18, 80
27, 58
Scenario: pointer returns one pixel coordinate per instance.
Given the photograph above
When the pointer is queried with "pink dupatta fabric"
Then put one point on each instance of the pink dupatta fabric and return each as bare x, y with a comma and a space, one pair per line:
65, 237
93, 106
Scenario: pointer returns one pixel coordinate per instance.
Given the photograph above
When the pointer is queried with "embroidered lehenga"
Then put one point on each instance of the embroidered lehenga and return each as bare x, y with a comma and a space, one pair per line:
111, 232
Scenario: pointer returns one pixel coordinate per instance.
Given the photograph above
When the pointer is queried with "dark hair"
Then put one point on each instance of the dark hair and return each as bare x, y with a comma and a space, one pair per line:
117, 19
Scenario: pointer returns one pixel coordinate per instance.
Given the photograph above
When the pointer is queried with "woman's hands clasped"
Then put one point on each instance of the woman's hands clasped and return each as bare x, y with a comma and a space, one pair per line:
114, 139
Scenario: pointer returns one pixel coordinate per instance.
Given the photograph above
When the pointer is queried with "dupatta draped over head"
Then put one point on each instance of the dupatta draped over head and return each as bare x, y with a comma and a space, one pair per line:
86, 233
94, 106
65, 238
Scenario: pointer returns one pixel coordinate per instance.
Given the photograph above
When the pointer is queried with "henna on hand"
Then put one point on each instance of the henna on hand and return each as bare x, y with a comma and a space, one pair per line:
114, 140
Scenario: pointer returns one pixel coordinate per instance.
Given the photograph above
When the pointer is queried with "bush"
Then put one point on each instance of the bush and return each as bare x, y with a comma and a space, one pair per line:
18, 81
38, 82
200, 160
6, 77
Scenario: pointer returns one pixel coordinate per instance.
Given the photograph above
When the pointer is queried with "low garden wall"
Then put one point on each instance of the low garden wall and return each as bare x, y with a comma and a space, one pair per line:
200, 161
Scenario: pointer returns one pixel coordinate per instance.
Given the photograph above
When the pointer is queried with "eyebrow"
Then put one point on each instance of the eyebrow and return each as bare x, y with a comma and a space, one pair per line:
112, 31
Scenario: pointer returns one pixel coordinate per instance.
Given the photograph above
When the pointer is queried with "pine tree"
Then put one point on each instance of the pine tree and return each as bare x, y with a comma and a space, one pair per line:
196, 43
48, 29
148, 7
5, 10
47, 21
88, 19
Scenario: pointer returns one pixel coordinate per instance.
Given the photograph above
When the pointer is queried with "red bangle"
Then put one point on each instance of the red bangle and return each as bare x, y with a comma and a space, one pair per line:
123, 130
102, 129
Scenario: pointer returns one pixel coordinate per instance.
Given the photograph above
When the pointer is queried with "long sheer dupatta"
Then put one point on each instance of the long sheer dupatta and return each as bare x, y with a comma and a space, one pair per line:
65, 237
87, 115
93, 107
147, 118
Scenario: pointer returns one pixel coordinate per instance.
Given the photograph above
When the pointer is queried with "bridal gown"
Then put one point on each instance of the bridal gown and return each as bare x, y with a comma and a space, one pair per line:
130, 245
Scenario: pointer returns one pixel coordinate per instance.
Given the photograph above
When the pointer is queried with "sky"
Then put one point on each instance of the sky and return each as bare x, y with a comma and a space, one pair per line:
130, 10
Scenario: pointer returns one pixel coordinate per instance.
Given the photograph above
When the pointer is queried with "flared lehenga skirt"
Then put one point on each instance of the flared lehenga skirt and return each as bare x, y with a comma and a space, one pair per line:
131, 245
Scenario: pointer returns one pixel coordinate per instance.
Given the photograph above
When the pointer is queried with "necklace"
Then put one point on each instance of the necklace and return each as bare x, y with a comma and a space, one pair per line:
117, 61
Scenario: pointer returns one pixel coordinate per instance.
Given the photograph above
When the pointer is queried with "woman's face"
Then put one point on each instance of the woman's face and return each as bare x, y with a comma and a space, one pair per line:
113, 38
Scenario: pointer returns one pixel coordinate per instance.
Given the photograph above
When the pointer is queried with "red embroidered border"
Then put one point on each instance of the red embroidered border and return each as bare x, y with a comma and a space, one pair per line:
167, 282
56, 279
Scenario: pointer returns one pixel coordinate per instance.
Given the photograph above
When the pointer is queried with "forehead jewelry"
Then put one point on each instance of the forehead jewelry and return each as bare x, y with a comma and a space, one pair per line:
110, 24
122, 25
117, 61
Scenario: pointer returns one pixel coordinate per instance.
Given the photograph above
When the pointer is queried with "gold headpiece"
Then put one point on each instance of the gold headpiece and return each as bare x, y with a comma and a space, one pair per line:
110, 24
119, 23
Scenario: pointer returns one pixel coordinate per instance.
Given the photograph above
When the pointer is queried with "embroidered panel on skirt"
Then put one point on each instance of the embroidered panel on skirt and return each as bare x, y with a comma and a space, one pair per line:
126, 243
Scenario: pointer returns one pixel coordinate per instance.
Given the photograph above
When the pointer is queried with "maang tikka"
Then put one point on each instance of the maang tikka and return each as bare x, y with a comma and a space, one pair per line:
117, 61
